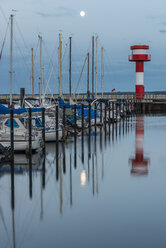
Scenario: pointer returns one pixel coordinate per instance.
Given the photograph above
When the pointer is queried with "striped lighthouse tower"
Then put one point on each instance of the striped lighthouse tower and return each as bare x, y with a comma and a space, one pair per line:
139, 55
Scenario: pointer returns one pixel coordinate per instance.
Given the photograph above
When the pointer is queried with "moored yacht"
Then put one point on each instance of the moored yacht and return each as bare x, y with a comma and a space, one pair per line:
21, 135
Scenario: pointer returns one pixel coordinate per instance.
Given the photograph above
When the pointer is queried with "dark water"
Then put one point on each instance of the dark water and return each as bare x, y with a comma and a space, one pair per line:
109, 191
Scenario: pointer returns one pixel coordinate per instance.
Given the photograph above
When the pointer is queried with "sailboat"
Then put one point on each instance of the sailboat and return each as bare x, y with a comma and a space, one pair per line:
21, 135
50, 130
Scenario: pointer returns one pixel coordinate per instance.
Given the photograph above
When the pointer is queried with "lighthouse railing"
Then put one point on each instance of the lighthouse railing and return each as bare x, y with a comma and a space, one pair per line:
135, 57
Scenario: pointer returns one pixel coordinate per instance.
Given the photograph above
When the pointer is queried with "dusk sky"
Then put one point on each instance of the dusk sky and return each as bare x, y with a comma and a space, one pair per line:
119, 24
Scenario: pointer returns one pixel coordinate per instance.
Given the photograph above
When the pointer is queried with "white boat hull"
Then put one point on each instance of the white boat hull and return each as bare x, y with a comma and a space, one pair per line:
50, 135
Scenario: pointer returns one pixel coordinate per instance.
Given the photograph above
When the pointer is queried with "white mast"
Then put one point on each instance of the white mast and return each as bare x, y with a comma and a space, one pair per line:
41, 74
43, 93
60, 65
102, 70
32, 74
96, 68
11, 56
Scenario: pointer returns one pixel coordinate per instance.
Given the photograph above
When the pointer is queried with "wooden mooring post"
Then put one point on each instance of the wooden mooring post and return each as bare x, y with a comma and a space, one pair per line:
95, 117
75, 137
113, 111
64, 120
89, 118
22, 97
101, 113
43, 128
57, 144
105, 114
109, 107
12, 136
30, 131
116, 109
82, 117
56, 124
75, 121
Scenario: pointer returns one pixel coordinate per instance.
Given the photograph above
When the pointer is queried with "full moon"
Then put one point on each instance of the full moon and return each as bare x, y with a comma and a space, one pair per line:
82, 13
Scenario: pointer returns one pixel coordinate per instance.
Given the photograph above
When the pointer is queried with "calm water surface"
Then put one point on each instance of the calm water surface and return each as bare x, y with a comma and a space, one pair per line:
108, 191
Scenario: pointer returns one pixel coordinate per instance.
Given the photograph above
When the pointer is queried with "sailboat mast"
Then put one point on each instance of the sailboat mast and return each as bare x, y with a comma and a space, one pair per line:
32, 74
102, 69
92, 67
96, 68
11, 57
70, 39
43, 93
60, 66
40, 78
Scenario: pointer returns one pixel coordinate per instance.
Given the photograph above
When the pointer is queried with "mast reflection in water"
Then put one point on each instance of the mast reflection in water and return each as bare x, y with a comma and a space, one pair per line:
139, 162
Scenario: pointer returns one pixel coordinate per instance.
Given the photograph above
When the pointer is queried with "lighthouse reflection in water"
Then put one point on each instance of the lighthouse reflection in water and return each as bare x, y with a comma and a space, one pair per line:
139, 164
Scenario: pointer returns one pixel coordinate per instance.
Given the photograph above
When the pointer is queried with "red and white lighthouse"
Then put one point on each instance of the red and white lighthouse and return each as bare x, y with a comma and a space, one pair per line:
139, 55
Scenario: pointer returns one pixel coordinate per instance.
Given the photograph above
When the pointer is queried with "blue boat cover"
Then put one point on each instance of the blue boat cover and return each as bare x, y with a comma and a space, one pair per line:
4, 110
86, 113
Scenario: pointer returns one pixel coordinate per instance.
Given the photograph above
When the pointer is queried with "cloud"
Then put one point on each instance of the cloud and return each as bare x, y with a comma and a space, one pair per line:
162, 31
59, 12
